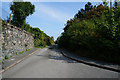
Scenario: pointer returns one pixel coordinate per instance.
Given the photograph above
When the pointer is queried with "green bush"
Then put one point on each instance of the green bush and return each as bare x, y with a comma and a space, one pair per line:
21, 52
40, 38
38, 43
6, 57
95, 37
27, 49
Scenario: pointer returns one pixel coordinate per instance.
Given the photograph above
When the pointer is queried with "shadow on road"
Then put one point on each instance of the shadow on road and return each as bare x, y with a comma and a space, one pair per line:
91, 61
54, 53
59, 56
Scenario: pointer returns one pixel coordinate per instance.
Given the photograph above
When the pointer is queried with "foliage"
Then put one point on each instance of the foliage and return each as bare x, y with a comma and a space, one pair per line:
50, 47
90, 11
27, 49
94, 33
21, 52
6, 57
40, 38
20, 11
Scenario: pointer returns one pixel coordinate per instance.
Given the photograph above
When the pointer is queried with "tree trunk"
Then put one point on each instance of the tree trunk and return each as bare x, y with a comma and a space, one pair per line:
110, 4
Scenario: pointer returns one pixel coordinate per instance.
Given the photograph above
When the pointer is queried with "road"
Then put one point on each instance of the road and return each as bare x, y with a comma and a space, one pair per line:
49, 63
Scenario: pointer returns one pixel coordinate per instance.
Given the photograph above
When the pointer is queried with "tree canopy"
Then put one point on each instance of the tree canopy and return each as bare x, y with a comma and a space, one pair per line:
20, 11
94, 32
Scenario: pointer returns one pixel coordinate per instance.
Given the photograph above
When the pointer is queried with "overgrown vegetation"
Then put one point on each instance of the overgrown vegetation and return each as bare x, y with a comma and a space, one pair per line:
21, 52
27, 49
6, 57
50, 47
94, 32
40, 38
20, 11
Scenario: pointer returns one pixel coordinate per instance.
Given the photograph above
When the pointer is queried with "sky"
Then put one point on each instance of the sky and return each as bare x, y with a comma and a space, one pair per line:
50, 17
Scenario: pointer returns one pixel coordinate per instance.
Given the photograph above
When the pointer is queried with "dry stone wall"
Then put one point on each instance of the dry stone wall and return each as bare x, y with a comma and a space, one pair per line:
15, 40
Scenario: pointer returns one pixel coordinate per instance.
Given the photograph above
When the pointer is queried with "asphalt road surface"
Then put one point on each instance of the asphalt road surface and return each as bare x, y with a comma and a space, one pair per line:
49, 63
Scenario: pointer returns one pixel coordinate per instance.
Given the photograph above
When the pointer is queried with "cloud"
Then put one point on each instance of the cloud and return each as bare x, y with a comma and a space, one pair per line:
52, 12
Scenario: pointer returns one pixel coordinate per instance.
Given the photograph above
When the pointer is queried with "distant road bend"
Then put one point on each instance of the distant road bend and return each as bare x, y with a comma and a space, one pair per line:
49, 63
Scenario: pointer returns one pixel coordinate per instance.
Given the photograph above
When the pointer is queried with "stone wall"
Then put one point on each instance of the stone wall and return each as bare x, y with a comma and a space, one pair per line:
15, 40
0, 41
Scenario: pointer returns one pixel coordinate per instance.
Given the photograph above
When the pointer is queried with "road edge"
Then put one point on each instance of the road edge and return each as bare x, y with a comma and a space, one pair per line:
91, 64
15, 63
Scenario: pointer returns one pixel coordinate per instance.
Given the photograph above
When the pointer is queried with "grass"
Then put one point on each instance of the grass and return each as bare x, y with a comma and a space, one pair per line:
42, 46
21, 52
50, 47
27, 49
6, 57
16, 53
11, 56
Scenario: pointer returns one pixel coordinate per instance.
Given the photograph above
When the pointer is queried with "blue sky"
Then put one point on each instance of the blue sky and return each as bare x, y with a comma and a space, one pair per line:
50, 17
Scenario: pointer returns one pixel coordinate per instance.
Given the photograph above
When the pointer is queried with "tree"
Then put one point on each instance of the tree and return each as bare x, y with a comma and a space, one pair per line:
20, 11
88, 7
91, 11
94, 32
110, 4
82, 13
